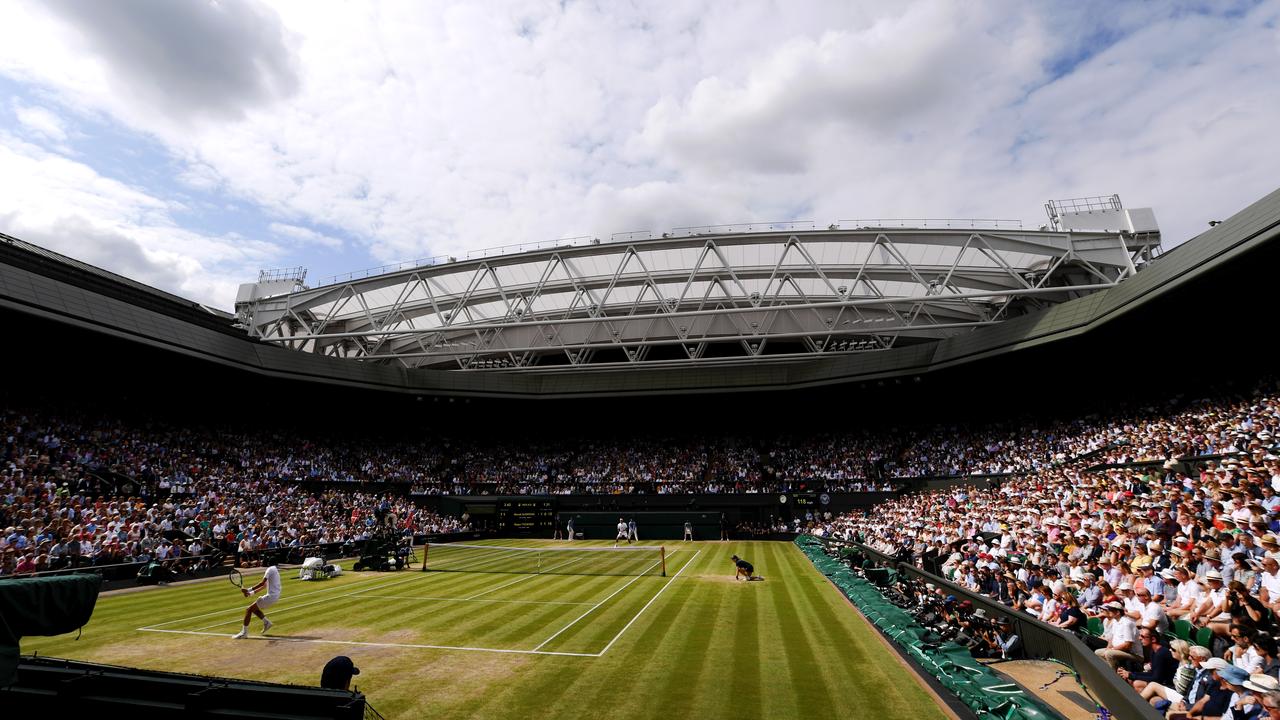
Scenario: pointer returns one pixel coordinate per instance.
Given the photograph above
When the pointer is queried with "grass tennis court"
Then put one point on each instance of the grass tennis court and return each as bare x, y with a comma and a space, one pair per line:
471, 644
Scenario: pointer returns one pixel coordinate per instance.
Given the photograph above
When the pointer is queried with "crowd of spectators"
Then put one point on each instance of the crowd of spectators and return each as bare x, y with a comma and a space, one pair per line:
1171, 529
58, 510
1155, 521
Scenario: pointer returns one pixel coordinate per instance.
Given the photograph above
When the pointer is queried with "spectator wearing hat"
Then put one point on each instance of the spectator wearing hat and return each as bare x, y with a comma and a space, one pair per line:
1121, 636
1208, 697
1132, 606
1170, 579
1270, 698
1090, 596
1243, 704
1007, 640
338, 672
1212, 610
1109, 572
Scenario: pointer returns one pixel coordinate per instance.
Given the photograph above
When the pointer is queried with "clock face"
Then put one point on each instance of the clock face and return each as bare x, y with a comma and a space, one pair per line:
782, 499
824, 498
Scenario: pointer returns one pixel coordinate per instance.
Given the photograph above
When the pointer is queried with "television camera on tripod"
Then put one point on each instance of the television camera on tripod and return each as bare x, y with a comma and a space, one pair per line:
385, 549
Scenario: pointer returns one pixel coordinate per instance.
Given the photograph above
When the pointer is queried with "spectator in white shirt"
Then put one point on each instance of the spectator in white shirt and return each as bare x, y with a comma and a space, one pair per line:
1121, 635
1152, 614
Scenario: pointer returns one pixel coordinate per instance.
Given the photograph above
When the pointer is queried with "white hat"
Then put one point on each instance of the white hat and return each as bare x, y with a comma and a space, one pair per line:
1213, 575
1262, 682
1215, 663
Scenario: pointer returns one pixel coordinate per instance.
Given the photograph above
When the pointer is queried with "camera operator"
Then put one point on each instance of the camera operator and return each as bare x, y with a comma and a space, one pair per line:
1007, 640
951, 613
988, 639
978, 634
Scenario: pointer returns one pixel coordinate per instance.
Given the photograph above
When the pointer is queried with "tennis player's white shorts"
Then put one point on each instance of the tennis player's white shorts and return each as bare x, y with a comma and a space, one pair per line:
622, 536
267, 601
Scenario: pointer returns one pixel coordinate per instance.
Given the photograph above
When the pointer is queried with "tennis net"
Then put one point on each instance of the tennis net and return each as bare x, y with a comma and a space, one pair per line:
455, 557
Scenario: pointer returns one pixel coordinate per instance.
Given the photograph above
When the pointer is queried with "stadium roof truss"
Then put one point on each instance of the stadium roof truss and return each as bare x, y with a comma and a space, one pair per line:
752, 297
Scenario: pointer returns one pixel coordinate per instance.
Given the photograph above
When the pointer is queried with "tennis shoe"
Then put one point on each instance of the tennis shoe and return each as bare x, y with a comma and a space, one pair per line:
266, 625
240, 635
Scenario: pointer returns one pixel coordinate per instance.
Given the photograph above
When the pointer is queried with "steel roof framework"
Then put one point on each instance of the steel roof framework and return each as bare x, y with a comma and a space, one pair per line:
720, 298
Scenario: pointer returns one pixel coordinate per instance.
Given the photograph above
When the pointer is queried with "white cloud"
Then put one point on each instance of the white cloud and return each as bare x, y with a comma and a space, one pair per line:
431, 130
41, 122
66, 206
305, 235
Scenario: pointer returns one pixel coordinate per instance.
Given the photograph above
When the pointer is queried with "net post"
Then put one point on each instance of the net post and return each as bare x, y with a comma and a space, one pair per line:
426, 545
663, 551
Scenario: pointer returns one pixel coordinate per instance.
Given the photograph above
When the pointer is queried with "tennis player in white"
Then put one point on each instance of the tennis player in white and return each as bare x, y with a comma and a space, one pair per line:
271, 581
622, 533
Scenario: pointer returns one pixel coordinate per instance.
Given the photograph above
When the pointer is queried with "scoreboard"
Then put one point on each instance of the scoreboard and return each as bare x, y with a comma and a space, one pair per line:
806, 500
526, 516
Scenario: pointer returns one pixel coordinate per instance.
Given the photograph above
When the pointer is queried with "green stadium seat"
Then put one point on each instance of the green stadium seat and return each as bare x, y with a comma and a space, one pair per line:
1204, 637
1182, 630
1095, 626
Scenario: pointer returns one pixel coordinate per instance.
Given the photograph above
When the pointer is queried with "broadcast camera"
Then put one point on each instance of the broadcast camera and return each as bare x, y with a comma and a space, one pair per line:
383, 549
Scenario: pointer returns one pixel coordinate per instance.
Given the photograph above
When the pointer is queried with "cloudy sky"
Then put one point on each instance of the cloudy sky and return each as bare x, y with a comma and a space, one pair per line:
189, 144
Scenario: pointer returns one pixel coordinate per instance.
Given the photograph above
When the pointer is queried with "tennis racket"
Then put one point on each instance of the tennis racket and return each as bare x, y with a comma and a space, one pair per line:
236, 578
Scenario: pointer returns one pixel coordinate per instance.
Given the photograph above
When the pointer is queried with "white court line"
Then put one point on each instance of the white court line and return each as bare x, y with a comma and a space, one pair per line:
535, 651
313, 602
374, 644
240, 608
456, 599
417, 576
615, 592
646, 606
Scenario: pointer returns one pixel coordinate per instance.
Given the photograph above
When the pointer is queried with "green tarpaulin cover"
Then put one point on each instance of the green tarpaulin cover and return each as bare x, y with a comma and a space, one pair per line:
986, 693
42, 606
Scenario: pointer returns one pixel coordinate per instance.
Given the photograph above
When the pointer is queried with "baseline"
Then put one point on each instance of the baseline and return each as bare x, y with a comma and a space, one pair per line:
328, 599
240, 608
375, 644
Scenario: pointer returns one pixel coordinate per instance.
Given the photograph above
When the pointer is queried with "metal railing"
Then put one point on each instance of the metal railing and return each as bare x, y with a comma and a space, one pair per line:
767, 226
1085, 204
578, 241
297, 274
676, 232
929, 223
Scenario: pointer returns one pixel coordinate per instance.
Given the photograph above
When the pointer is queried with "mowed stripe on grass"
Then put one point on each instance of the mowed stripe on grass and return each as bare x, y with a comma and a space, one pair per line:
708, 646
